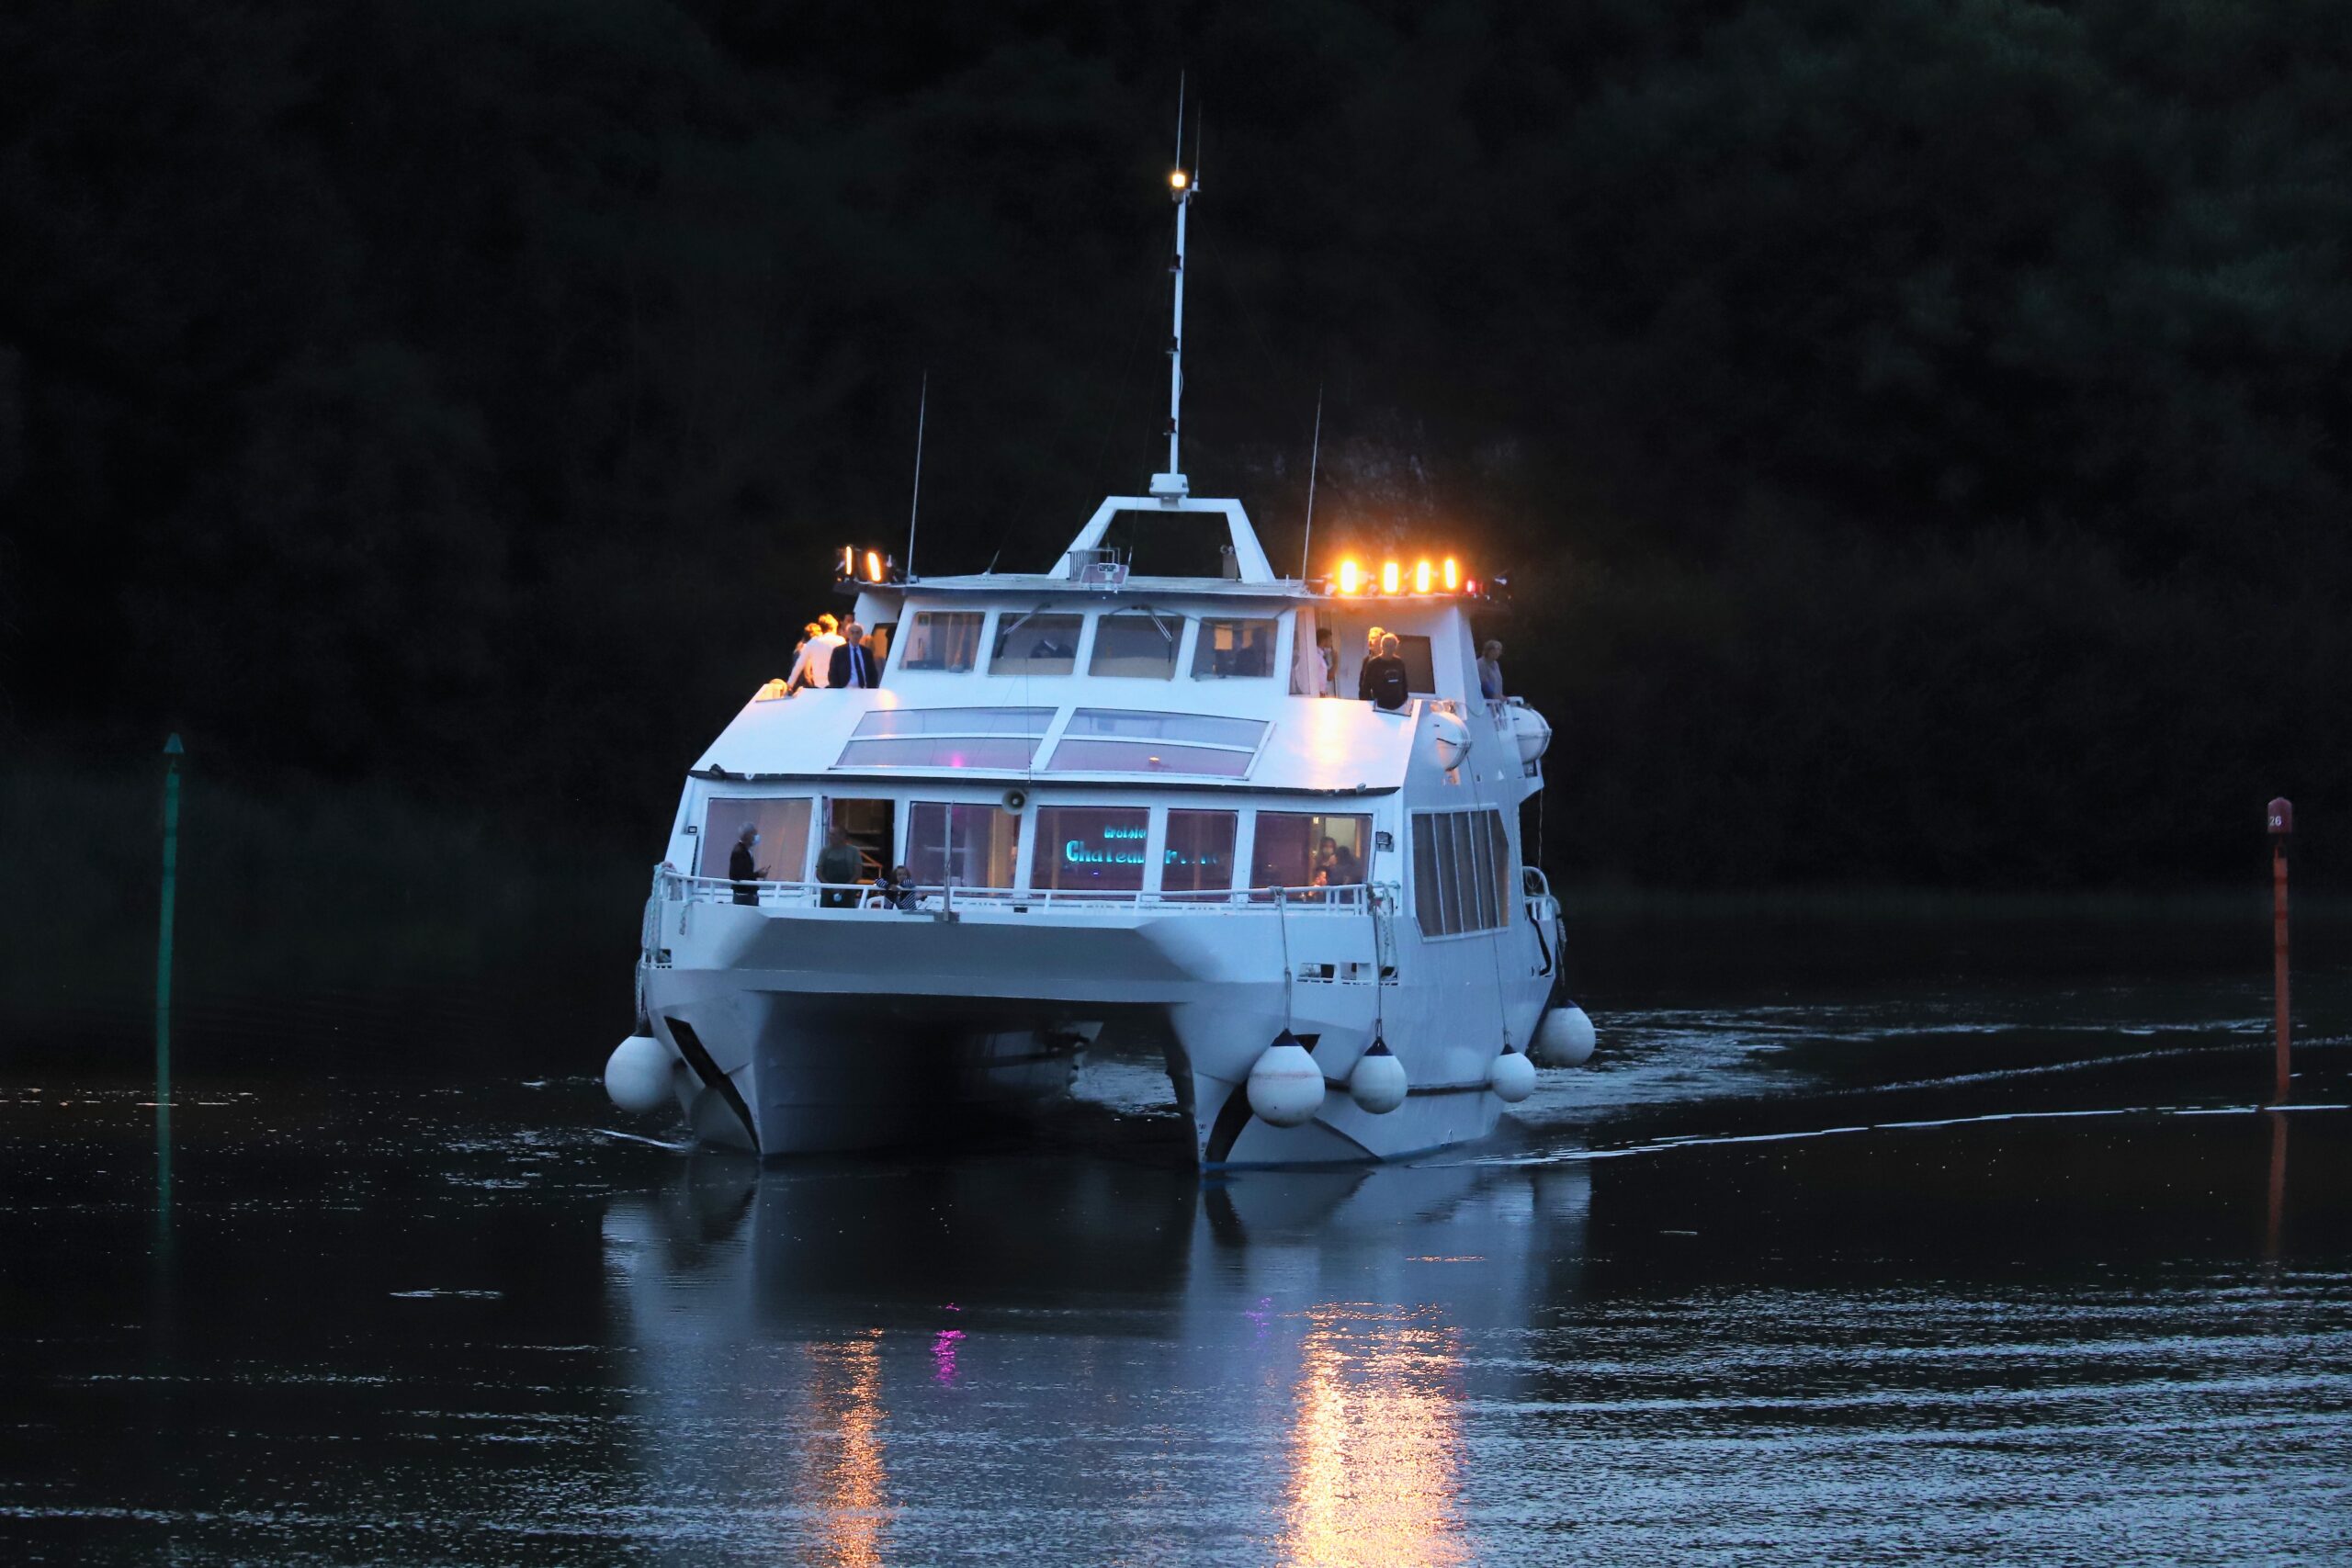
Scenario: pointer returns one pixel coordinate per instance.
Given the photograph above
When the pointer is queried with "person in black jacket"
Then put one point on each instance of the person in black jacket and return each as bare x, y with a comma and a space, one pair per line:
739, 869
853, 662
1384, 682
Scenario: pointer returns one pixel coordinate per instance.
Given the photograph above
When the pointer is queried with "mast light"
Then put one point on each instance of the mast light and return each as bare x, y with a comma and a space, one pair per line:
1178, 180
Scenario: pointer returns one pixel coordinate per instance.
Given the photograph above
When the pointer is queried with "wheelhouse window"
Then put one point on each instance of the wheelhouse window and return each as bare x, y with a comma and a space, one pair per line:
1461, 872
1090, 849
1137, 645
1199, 855
1231, 649
948, 640
782, 853
973, 846
1117, 742
1306, 849
1035, 645
946, 738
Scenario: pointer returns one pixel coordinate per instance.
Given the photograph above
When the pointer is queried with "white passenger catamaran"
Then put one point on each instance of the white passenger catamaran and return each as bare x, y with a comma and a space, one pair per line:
1138, 809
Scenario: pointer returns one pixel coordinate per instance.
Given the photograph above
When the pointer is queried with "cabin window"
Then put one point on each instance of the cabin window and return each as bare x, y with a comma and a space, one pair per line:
1233, 648
1199, 855
1300, 849
782, 853
1461, 872
946, 738
1420, 670
943, 639
1092, 848
1112, 740
1035, 645
1139, 646
974, 846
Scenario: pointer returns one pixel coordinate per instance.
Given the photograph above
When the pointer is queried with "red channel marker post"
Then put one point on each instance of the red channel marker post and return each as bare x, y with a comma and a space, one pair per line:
2282, 824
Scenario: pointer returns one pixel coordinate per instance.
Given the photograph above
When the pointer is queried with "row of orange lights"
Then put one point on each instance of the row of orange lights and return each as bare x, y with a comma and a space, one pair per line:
1353, 577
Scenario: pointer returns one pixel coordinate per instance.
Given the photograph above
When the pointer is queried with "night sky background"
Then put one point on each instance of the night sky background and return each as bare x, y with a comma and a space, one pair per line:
1917, 431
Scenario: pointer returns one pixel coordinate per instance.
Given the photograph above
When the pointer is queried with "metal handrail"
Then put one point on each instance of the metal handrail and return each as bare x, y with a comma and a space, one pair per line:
675, 886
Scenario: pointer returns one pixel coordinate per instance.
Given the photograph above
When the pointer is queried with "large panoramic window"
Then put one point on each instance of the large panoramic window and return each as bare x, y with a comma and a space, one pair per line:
973, 845
1115, 742
1090, 849
1233, 648
946, 738
943, 639
1199, 856
1140, 647
1035, 645
782, 853
1461, 872
1306, 849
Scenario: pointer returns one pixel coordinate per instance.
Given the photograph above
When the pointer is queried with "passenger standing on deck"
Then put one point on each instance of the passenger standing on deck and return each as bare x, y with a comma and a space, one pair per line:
739, 869
853, 665
1490, 671
1363, 670
837, 868
1385, 684
814, 666
1331, 658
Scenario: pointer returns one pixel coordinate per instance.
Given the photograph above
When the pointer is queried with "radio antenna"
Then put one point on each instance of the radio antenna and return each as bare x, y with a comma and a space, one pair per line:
914, 506
1313, 455
1181, 183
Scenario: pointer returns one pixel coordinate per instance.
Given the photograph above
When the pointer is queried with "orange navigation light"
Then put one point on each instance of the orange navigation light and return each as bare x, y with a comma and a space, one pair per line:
1422, 578
1176, 180
1350, 576
1391, 580
873, 565
1453, 574
849, 561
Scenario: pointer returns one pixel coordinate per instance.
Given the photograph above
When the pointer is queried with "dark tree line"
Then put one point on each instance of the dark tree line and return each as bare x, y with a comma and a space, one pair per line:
1916, 425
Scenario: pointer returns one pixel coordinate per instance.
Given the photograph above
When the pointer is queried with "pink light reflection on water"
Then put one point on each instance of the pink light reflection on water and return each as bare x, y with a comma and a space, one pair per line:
943, 1355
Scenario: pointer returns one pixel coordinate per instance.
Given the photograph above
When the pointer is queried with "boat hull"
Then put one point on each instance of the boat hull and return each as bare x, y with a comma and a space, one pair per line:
828, 1031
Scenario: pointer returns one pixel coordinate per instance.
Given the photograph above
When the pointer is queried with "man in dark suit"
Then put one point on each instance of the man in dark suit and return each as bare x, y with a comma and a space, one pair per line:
853, 662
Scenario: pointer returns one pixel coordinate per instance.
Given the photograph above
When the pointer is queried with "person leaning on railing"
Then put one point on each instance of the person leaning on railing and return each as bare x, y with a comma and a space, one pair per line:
1384, 682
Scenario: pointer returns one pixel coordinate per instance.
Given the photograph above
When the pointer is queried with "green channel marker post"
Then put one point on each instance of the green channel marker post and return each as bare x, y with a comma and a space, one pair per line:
173, 752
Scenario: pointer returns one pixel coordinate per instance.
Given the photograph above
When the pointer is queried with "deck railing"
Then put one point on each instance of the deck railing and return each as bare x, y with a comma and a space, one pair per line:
677, 887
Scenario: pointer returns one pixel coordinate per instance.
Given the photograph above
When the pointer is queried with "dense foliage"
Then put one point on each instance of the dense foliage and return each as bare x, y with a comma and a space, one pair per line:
1917, 425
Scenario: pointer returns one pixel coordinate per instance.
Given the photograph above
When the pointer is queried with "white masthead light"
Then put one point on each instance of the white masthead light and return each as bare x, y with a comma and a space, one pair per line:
1182, 185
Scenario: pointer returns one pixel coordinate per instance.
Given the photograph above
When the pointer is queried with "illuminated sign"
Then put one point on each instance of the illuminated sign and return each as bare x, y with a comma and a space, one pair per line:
1121, 846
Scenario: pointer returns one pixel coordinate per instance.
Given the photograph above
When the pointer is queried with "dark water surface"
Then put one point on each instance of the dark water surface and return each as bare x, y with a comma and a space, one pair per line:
1988, 1271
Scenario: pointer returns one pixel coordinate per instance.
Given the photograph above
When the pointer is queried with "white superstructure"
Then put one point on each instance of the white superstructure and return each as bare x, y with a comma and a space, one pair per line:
1131, 811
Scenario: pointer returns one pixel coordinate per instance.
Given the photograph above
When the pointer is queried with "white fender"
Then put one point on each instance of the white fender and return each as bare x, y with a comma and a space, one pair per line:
1377, 1080
1565, 1038
637, 1074
1452, 739
1512, 1078
1533, 732
1286, 1086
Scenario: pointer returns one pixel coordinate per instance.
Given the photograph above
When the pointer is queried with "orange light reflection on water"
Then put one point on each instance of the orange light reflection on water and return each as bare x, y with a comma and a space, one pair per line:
1377, 1452
851, 1506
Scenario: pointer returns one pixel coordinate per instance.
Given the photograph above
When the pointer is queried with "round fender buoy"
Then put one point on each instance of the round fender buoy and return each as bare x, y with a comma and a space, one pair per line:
1512, 1078
1565, 1038
1286, 1086
1377, 1080
1452, 741
637, 1074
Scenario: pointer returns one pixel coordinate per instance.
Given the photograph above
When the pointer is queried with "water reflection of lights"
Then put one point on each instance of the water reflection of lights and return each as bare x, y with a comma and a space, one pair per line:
1377, 1451
852, 1502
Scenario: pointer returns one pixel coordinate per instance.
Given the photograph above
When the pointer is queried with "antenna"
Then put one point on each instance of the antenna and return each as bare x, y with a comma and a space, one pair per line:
914, 507
1171, 486
1313, 455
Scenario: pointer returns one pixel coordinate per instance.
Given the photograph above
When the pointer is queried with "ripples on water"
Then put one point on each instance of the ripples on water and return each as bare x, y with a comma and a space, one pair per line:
1989, 1275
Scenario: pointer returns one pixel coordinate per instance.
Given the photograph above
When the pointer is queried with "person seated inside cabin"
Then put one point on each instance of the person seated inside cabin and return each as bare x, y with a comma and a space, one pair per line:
1384, 682
852, 665
837, 869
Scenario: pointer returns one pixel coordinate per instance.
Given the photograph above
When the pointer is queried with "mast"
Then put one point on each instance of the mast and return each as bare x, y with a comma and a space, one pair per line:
1181, 184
